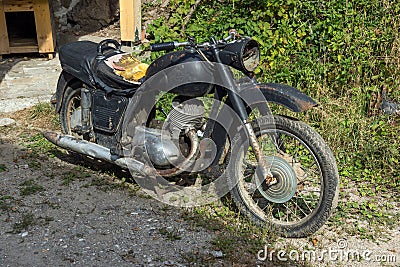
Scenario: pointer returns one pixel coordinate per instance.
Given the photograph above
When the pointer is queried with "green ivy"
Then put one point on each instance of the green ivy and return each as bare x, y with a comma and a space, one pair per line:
342, 53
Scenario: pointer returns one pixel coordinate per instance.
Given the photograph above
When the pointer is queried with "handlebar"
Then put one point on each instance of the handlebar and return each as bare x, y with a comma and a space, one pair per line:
167, 46
232, 34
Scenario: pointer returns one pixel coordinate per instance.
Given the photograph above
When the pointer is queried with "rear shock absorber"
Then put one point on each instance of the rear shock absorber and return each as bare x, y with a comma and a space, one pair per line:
86, 104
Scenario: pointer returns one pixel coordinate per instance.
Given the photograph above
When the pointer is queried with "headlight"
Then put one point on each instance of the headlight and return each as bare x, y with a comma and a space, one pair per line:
251, 55
243, 54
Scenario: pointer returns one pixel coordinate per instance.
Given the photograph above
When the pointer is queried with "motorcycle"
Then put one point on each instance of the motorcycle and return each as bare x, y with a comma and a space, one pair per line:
216, 132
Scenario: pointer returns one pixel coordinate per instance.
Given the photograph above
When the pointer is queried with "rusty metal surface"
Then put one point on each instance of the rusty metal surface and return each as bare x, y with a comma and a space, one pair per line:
262, 162
194, 142
96, 151
292, 97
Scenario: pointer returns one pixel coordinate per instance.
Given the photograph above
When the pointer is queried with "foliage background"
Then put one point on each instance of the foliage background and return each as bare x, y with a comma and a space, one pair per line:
345, 54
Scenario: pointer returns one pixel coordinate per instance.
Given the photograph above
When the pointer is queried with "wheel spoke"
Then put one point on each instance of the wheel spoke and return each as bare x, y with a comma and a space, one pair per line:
288, 209
297, 205
305, 202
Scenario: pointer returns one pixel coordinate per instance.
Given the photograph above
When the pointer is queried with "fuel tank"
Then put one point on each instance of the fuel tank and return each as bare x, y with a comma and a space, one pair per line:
185, 56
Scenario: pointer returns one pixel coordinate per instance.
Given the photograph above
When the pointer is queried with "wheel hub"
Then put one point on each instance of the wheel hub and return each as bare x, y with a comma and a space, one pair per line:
285, 187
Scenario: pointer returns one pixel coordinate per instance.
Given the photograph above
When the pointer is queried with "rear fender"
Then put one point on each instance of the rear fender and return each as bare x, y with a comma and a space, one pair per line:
64, 81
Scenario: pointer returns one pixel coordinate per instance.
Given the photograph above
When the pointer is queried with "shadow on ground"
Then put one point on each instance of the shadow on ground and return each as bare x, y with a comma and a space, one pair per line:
6, 64
55, 210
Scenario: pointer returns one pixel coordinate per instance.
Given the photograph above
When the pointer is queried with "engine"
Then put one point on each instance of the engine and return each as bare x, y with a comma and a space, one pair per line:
186, 114
177, 142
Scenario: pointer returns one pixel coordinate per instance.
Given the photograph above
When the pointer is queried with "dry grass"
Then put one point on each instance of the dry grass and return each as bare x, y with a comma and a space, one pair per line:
40, 116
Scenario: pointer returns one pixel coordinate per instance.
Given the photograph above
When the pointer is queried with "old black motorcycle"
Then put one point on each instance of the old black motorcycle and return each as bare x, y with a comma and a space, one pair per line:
216, 126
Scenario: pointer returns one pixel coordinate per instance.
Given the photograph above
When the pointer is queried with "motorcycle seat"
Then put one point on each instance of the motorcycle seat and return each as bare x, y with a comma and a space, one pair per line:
80, 59
74, 57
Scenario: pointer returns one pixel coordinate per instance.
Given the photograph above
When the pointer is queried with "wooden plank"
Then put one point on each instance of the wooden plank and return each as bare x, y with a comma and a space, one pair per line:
130, 20
44, 29
24, 49
22, 42
4, 48
18, 5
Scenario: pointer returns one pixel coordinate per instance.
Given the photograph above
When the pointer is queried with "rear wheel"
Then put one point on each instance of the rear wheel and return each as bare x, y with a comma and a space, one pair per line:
307, 189
71, 111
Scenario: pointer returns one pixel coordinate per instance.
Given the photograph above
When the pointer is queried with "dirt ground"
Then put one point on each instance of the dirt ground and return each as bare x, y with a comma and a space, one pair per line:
55, 212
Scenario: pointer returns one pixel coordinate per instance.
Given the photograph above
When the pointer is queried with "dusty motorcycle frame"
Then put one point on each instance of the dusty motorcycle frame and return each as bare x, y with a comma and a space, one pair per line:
103, 99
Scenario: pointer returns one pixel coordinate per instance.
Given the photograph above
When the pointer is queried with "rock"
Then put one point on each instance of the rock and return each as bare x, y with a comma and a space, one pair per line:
94, 14
217, 254
24, 234
7, 122
390, 107
66, 3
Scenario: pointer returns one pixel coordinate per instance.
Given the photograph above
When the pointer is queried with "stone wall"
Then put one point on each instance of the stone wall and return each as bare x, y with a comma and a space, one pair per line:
86, 15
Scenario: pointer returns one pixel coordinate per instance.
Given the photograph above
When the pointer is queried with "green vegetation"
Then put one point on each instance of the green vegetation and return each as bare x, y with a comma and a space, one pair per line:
78, 173
44, 112
28, 220
237, 238
3, 168
30, 187
41, 110
6, 203
344, 54
171, 234
39, 144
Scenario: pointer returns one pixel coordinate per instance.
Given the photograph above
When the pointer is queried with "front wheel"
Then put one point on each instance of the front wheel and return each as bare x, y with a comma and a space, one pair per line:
308, 182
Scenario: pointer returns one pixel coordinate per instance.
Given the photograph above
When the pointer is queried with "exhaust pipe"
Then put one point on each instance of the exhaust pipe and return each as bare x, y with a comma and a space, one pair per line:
96, 151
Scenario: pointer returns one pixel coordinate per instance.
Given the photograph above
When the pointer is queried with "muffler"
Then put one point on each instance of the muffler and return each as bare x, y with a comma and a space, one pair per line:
160, 148
96, 151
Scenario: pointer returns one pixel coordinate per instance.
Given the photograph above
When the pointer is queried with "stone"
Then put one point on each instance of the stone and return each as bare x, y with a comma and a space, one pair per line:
217, 254
24, 234
66, 3
7, 122
26, 83
93, 14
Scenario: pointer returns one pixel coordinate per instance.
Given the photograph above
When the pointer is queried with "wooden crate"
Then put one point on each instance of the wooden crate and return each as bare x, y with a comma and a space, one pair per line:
43, 42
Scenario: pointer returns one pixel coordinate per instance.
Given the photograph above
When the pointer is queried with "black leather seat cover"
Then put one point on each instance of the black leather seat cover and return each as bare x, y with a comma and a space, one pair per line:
79, 60
74, 56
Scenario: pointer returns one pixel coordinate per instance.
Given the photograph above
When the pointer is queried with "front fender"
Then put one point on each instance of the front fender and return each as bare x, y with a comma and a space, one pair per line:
282, 94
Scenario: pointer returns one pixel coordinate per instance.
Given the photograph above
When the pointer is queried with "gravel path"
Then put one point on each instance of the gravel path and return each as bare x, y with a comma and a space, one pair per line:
53, 213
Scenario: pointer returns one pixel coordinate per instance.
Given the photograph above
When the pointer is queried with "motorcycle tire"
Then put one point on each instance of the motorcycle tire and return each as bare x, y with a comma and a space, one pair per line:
306, 171
70, 112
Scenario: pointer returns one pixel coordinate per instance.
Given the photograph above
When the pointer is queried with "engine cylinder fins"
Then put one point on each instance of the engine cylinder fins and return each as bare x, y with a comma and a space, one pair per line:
186, 113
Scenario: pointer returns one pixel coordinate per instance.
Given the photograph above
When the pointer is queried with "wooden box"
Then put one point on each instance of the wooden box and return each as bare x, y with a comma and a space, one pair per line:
25, 27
